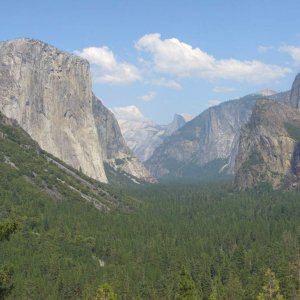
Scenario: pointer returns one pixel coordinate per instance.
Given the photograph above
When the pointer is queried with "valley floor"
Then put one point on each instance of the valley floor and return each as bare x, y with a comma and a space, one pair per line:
226, 241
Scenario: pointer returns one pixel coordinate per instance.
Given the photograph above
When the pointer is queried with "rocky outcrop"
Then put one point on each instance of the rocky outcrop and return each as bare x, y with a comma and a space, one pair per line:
269, 147
48, 92
115, 151
178, 121
295, 93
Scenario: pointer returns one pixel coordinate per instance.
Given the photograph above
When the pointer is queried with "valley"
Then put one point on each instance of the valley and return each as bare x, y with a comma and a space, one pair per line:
152, 152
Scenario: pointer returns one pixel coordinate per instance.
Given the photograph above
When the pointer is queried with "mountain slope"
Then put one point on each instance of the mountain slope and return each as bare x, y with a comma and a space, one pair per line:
22, 157
210, 139
269, 149
48, 92
210, 136
116, 153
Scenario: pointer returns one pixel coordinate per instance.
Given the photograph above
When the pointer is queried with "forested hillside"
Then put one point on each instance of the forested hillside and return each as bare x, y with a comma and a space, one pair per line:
75, 234
226, 242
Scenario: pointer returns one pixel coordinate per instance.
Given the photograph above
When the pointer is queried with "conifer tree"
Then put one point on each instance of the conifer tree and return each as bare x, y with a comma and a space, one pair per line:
271, 289
186, 288
6, 229
105, 292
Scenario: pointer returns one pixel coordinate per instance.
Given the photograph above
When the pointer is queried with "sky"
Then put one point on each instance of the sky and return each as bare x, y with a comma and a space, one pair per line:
168, 56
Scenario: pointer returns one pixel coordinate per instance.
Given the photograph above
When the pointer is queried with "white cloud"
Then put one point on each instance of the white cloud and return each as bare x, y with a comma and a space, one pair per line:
293, 51
171, 84
171, 56
106, 69
130, 113
148, 97
264, 49
223, 89
213, 102
188, 117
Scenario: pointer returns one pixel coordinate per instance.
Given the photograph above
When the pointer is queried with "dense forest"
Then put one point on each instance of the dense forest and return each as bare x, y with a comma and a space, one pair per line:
226, 241
63, 235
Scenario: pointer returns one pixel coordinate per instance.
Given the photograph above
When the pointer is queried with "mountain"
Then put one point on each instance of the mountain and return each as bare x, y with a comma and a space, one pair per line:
76, 233
48, 92
142, 135
206, 147
294, 100
28, 169
116, 154
269, 147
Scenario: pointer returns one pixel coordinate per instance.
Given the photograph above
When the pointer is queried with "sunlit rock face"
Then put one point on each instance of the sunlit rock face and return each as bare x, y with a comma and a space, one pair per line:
269, 149
48, 92
115, 151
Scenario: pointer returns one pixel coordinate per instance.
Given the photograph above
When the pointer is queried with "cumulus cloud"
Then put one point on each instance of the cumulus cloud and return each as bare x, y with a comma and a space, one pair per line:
171, 84
293, 51
171, 56
213, 102
188, 117
223, 89
106, 69
130, 113
148, 97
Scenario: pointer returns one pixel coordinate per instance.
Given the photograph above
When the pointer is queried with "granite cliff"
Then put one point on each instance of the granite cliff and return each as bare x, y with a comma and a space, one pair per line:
49, 93
269, 148
115, 151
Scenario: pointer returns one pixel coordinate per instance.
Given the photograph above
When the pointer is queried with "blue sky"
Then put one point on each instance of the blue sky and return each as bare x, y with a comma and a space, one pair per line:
168, 56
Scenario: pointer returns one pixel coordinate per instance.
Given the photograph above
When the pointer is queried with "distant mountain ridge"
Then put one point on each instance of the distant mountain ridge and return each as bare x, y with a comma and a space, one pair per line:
211, 138
142, 135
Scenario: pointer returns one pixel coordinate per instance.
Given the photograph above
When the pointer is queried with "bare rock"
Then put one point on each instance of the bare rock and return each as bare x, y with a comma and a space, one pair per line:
48, 92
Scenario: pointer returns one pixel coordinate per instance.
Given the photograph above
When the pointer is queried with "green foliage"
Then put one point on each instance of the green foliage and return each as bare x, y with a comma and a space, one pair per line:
105, 292
271, 289
293, 131
5, 281
254, 159
7, 227
186, 288
66, 246
192, 172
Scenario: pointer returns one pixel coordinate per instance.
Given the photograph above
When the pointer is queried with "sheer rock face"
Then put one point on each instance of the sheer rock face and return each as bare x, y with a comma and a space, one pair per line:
212, 135
115, 151
269, 147
48, 92
295, 93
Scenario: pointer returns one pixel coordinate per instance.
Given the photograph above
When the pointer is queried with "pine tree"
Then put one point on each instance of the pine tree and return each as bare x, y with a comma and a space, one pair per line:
295, 270
105, 292
271, 289
186, 288
233, 289
6, 229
